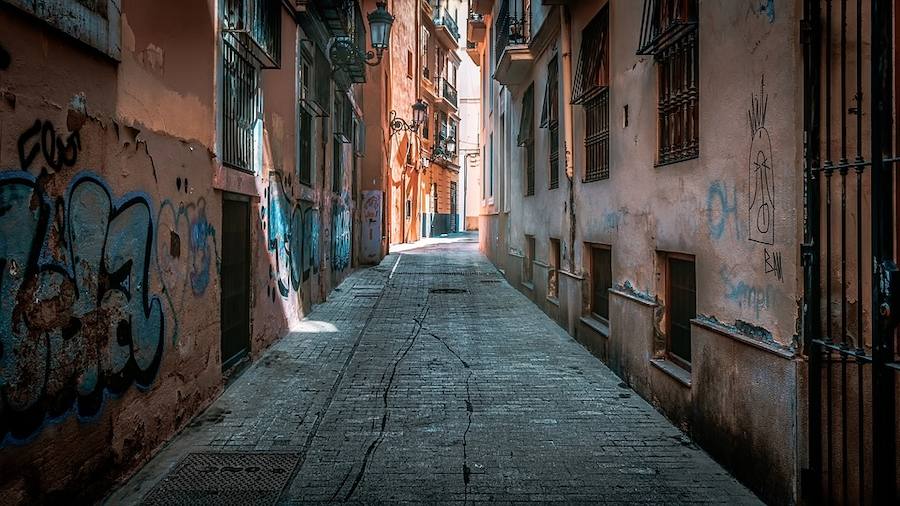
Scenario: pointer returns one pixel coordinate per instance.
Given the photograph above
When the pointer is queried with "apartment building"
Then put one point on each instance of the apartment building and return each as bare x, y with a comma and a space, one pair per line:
694, 190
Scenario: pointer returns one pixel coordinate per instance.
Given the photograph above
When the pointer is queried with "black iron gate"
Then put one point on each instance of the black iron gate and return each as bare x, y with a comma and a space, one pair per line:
235, 275
850, 277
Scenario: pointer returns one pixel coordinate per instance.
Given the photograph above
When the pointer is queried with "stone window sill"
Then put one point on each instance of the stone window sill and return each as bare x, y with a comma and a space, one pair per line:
671, 369
597, 325
528, 285
553, 300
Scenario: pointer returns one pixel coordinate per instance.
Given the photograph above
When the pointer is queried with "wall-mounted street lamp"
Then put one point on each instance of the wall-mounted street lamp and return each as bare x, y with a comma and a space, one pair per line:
344, 53
419, 113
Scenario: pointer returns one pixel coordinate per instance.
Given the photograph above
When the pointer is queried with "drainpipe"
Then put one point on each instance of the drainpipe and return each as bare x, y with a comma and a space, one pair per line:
566, 36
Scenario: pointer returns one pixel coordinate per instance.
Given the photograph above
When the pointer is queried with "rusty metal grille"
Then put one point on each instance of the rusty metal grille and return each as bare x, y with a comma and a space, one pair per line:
596, 139
233, 478
601, 281
682, 307
851, 279
241, 107
679, 97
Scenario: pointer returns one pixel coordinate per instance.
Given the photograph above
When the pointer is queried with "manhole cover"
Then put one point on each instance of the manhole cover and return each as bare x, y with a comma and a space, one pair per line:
449, 290
225, 478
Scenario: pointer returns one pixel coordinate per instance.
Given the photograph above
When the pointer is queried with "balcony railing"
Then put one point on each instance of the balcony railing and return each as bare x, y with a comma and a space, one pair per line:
513, 25
257, 23
443, 18
448, 91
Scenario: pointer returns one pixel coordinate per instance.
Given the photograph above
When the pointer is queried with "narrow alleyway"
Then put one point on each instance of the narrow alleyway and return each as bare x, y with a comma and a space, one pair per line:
430, 379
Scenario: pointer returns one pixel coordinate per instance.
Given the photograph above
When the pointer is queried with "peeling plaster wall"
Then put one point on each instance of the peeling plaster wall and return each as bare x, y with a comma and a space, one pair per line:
744, 371
109, 248
111, 197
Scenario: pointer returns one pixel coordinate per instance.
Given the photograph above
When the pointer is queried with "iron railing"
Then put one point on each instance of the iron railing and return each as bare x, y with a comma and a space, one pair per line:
664, 21
448, 91
513, 25
257, 23
850, 276
443, 18
596, 140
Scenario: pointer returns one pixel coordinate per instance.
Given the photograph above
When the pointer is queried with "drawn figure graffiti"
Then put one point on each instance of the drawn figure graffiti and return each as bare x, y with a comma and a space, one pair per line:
761, 178
76, 316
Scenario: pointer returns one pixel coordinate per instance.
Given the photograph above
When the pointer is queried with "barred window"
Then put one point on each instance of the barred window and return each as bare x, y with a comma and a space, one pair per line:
669, 33
596, 138
526, 137
305, 159
241, 107
550, 118
591, 90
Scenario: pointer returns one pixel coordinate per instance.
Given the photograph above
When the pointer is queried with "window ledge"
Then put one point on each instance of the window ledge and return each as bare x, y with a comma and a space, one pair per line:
595, 324
553, 300
674, 371
571, 274
541, 264
631, 296
528, 285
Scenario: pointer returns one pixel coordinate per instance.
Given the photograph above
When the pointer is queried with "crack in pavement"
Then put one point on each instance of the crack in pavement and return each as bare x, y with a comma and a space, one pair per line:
384, 417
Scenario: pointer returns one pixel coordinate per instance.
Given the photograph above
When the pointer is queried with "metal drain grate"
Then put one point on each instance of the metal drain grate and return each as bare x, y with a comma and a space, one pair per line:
225, 478
449, 290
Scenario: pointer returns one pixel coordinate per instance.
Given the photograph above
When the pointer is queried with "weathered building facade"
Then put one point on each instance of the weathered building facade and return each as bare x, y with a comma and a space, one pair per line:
179, 184
644, 185
423, 160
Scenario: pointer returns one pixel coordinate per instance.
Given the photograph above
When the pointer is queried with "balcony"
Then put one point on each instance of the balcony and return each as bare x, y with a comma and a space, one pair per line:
513, 35
473, 52
475, 27
446, 28
482, 6
448, 92
256, 24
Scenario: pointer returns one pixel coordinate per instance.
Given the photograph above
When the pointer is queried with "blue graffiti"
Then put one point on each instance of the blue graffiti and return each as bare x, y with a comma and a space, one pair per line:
757, 298
720, 210
340, 236
177, 270
292, 237
77, 320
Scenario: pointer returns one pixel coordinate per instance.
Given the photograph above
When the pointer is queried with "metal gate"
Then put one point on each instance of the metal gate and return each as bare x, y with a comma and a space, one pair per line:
851, 300
454, 220
235, 303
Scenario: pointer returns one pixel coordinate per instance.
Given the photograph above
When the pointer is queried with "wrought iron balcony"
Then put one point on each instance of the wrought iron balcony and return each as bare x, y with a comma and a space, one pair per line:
512, 37
448, 91
443, 18
513, 25
257, 26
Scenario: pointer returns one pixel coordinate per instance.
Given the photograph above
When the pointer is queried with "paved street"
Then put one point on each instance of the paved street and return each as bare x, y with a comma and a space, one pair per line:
430, 379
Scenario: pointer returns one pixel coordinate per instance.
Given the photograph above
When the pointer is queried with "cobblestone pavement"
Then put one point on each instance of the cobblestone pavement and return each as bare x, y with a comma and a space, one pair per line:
430, 379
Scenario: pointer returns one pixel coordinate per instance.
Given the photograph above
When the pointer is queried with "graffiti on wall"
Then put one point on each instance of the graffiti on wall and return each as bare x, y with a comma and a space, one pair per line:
340, 234
754, 297
761, 186
721, 210
293, 230
41, 139
372, 210
186, 252
77, 317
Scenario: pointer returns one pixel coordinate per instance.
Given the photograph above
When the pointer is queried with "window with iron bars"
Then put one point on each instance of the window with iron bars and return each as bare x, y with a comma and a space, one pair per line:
596, 139
550, 118
525, 137
591, 90
669, 33
241, 107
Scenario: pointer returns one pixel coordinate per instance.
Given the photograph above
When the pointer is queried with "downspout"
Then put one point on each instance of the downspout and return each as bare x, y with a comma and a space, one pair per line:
566, 42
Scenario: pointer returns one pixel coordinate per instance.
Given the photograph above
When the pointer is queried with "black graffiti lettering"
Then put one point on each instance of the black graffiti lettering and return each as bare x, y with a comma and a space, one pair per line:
41, 138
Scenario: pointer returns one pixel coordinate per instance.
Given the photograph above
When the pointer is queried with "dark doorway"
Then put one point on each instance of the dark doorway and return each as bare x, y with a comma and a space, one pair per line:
235, 304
